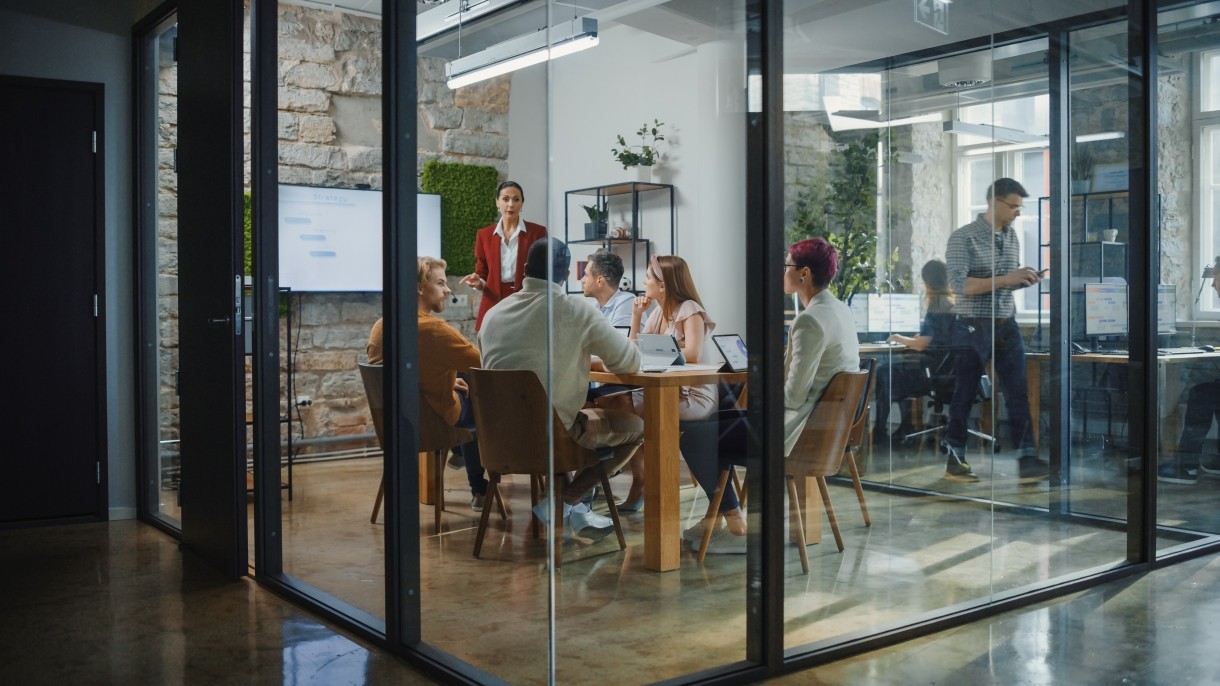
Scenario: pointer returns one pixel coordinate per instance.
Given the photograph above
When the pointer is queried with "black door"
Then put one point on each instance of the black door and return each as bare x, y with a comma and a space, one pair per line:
53, 459
211, 359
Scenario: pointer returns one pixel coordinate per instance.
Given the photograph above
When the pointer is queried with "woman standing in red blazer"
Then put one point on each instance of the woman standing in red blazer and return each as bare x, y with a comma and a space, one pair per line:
500, 249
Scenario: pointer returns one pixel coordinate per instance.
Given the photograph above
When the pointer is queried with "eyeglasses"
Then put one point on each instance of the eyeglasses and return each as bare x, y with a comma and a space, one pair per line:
1018, 207
790, 266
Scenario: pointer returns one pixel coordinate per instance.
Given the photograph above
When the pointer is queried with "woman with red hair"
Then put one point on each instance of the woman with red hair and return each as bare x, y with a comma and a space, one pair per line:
821, 343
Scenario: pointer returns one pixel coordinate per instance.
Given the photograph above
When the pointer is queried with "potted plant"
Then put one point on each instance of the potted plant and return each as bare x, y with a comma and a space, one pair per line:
1081, 168
644, 155
599, 219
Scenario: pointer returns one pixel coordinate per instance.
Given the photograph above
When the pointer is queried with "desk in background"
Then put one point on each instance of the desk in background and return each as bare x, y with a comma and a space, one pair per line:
1033, 374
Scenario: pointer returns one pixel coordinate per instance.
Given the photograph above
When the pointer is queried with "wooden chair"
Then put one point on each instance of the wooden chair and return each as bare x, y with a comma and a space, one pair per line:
858, 431
511, 410
436, 437
821, 448
819, 453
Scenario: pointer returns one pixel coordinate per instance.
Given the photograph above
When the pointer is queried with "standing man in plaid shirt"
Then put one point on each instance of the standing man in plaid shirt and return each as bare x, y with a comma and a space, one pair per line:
983, 259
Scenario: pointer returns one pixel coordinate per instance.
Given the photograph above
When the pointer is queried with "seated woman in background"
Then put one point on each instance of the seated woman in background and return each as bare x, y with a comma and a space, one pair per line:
680, 314
906, 379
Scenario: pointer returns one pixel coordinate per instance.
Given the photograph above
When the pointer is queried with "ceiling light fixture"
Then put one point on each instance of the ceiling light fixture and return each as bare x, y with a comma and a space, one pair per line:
998, 133
523, 51
1103, 136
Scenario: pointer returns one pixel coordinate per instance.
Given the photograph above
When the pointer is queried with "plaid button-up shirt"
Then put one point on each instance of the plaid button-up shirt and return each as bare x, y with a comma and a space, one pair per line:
978, 251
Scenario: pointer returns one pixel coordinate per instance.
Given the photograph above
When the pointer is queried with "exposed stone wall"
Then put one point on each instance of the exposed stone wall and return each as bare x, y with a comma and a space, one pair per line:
1175, 170
167, 254
330, 133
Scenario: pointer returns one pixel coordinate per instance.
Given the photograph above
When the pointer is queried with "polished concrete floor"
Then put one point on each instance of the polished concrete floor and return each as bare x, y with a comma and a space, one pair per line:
120, 603
957, 543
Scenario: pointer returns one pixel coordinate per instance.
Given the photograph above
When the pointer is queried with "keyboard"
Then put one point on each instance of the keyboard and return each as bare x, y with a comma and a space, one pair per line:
1185, 350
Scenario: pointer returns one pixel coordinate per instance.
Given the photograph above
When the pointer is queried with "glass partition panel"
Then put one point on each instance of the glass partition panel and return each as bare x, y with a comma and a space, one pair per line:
926, 159
1188, 130
159, 212
330, 208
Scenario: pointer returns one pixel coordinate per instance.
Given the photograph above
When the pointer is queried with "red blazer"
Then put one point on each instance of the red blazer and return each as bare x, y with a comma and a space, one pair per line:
487, 264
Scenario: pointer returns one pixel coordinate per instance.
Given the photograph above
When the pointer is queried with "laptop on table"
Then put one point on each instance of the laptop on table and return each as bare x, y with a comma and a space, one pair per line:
733, 350
659, 352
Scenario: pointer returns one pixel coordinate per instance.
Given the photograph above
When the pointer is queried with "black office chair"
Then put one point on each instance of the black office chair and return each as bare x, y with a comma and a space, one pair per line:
940, 366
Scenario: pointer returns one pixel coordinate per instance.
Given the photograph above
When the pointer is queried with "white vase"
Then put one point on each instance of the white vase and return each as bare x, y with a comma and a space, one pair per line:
643, 174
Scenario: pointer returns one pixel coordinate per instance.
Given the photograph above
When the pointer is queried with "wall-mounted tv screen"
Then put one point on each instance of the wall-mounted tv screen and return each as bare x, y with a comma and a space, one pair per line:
330, 238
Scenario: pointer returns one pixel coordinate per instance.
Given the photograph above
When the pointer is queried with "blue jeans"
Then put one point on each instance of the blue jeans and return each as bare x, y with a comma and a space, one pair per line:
972, 343
470, 451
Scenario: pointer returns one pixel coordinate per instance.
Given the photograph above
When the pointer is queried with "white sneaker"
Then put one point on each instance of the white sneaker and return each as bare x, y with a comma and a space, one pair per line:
581, 513
543, 510
587, 524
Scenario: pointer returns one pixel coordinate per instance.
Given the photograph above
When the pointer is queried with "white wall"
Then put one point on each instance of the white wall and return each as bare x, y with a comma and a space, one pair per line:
630, 78
37, 47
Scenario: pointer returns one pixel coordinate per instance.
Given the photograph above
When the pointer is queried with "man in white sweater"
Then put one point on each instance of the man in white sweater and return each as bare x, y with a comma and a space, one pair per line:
543, 329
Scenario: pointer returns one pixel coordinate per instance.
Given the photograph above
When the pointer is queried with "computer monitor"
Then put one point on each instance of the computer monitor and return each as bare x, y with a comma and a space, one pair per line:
1105, 309
1166, 309
892, 312
885, 313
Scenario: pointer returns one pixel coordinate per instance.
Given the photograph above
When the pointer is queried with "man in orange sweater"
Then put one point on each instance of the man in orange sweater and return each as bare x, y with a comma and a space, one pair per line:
443, 354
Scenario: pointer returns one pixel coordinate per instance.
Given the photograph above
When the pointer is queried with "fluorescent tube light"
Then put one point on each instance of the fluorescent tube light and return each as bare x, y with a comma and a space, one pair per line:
523, 51
988, 149
999, 133
1103, 136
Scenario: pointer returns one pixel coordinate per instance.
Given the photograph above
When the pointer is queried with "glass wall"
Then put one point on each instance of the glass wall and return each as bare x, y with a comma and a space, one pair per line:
158, 138
970, 169
1188, 174
928, 160
329, 111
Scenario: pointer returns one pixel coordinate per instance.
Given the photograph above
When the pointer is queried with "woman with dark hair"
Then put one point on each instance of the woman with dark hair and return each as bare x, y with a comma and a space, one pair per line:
898, 382
680, 314
821, 343
500, 250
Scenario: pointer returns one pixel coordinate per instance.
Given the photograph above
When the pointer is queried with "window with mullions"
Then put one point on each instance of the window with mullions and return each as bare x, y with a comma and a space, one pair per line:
982, 159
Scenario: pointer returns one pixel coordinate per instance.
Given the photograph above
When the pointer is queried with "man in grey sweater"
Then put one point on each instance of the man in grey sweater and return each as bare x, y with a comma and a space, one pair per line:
555, 335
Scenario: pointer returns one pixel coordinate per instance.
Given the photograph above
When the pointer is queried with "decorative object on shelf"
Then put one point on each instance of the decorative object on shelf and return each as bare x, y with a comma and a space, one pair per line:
647, 155
1110, 235
645, 219
1081, 168
599, 218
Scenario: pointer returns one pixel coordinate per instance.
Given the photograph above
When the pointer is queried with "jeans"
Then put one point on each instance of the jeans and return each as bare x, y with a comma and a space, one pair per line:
470, 451
709, 445
972, 342
1202, 404
895, 383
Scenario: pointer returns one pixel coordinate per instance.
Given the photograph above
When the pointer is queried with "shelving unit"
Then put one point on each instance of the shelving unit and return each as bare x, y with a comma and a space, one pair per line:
643, 200
1090, 209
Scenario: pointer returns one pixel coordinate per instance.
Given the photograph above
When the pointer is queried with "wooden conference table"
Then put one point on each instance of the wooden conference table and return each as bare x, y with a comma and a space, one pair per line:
662, 514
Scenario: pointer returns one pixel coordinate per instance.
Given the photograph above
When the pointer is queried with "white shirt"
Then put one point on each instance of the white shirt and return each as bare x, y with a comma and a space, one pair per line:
508, 252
